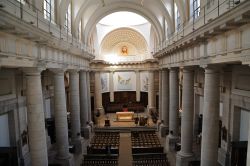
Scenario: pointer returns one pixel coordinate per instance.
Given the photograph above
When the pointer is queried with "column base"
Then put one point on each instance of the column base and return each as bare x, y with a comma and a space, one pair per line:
85, 143
86, 132
223, 157
170, 142
77, 143
183, 159
163, 130
69, 161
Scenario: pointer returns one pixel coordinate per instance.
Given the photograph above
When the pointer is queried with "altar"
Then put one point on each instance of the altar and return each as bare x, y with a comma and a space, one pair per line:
124, 116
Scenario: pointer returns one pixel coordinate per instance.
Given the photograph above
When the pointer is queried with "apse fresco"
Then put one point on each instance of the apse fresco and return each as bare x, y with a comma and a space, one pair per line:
124, 81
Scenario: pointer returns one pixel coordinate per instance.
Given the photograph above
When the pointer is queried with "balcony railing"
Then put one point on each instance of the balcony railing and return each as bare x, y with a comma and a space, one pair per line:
207, 13
35, 17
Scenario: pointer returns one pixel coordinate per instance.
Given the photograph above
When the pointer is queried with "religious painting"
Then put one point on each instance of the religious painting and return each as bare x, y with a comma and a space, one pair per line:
124, 50
124, 80
105, 82
144, 81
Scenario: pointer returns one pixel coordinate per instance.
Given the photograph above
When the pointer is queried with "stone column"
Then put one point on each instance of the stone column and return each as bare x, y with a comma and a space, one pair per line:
61, 123
98, 93
173, 108
173, 102
151, 92
84, 105
111, 86
138, 86
89, 99
35, 113
165, 102
210, 127
74, 105
248, 145
160, 95
186, 153
83, 99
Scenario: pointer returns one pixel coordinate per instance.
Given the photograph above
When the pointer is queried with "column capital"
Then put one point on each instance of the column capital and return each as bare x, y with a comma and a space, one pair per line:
31, 71
188, 69
138, 70
82, 71
86, 70
174, 69
73, 71
165, 70
211, 67
57, 71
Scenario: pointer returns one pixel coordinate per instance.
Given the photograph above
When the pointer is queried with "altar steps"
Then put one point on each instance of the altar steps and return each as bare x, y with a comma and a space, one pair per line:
125, 129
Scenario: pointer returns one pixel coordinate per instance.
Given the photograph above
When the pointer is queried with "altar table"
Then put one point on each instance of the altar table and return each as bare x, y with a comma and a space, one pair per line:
124, 115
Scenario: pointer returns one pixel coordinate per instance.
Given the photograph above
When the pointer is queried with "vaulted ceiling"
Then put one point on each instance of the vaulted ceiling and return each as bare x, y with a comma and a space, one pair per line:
90, 12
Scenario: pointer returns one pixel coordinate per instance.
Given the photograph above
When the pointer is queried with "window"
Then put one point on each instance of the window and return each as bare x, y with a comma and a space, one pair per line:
67, 24
196, 9
48, 10
80, 31
177, 19
22, 1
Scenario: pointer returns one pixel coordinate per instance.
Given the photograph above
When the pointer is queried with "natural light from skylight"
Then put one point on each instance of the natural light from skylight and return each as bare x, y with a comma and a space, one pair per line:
123, 19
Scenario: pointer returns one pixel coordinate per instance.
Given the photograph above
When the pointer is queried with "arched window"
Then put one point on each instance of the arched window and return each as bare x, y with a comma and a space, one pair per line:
49, 10
80, 31
194, 9
67, 24
177, 18
21, 1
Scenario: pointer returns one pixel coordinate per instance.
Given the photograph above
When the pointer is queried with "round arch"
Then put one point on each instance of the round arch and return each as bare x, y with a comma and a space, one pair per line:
116, 7
136, 42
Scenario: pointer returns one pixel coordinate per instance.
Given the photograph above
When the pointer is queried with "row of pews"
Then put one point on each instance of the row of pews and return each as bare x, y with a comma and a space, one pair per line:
103, 149
147, 149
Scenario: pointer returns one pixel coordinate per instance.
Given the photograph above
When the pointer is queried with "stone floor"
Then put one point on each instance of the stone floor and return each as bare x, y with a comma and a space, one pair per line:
125, 150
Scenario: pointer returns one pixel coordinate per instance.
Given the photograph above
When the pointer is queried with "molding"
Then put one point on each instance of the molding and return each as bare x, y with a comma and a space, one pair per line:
236, 17
12, 24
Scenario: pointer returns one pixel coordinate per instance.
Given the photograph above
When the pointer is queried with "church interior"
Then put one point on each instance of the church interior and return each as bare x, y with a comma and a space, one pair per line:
124, 82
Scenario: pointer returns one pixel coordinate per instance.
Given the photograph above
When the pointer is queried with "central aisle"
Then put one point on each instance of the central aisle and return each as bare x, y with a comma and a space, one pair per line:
125, 150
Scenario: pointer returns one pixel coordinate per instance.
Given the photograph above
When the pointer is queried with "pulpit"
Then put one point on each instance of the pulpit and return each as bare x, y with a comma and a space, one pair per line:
124, 116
